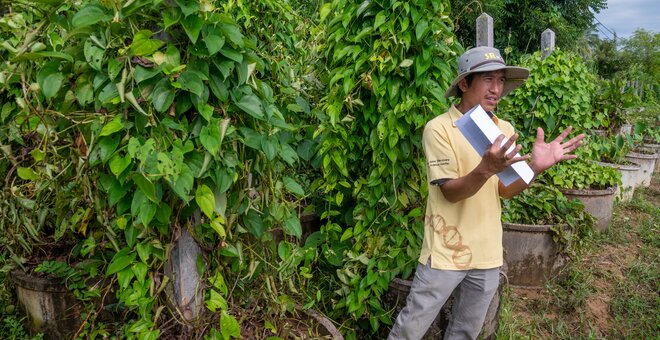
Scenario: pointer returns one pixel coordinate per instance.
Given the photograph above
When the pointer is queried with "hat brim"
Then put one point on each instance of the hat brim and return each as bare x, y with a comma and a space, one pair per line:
515, 76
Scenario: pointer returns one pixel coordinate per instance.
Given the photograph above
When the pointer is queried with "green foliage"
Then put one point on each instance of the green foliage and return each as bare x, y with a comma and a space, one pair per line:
125, 119
641, 49
608, 150
556, 95
73, 278
613, 99
647, 124
12, 329
387, 70
583, 174
606, 59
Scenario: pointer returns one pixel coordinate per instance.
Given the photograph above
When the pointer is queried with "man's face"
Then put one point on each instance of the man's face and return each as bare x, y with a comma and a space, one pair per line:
485, 89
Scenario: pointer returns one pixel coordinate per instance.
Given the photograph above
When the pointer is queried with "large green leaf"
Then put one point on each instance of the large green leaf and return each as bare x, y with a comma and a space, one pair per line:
232, 54
293, 186
218, 87
288, 154
254, 224
184, 183
112, 126
93, 54
163, 95
27, 173
381, 17
130, 233
109, 94
114, 189
147, 187
141, 73
142, 208
191, 82
45, 54
269, 146
50, 79
121, 260
251, 104
210, 138
224, 179
143, 44
292, 227
114, 67
192, 25
214, 41
251, 138
229, 326
205, 199
84, 94
421, 29
233, 33
104, 148
118, 164
88, 16
306, 149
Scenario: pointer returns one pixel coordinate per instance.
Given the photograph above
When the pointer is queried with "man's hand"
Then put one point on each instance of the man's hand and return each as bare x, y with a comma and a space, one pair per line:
545, 155
496, 158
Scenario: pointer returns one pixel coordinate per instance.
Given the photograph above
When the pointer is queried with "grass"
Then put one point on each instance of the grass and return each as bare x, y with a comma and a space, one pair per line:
610, 291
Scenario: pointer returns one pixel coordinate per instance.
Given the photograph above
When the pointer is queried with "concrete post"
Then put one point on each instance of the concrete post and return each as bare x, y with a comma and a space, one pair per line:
485, 30
547, 42
185, 292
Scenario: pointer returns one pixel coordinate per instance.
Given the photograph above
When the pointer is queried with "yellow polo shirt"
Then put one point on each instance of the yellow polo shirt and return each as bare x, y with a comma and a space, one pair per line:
466, 234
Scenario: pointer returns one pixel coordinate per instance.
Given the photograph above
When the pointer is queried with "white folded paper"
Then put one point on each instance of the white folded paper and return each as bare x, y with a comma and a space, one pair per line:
480, 130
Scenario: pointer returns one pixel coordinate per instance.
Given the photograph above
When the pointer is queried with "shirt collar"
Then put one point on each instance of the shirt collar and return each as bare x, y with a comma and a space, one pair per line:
455, 114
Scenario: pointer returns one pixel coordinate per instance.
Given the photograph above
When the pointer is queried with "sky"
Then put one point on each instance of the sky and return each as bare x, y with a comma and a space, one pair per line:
625, 16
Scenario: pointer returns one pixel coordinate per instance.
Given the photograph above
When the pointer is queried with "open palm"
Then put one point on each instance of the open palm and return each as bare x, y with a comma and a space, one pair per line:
545, 155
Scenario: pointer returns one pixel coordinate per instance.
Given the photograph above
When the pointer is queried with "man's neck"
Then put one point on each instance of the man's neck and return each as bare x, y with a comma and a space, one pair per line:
463, 107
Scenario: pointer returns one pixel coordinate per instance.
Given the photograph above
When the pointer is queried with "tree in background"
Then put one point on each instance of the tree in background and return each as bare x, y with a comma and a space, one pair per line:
519, 24
643, 49
636, 59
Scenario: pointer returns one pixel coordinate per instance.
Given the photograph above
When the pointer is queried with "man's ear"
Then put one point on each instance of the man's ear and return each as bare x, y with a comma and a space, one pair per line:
463, 85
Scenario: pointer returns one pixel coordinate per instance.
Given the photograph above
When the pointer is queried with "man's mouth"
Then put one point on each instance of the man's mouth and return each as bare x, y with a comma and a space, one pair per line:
492, 100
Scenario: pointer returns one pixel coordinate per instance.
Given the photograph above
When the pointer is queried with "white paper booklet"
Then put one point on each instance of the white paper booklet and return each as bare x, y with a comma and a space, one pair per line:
480, 130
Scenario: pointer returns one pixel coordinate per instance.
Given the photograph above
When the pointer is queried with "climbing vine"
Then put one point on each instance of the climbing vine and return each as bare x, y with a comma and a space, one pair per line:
388, 65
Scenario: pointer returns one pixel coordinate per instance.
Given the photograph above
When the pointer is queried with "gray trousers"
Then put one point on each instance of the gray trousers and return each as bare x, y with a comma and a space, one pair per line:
430, 290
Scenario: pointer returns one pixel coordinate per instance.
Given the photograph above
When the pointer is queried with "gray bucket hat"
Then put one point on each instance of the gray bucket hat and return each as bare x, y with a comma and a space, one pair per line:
485, 59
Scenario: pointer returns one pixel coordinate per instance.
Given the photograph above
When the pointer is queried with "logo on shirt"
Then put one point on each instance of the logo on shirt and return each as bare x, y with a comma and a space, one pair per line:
451, 239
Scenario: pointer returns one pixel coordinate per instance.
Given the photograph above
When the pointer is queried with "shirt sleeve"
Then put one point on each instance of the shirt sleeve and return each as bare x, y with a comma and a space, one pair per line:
441, 163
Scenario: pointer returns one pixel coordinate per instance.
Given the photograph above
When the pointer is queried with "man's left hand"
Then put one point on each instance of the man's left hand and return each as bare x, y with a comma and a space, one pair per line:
545, 155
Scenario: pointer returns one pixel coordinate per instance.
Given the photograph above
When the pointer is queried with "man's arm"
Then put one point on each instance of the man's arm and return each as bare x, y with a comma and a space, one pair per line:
495, 160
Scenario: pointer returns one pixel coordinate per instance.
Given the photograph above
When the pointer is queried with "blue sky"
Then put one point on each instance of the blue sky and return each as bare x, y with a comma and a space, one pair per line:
625, 16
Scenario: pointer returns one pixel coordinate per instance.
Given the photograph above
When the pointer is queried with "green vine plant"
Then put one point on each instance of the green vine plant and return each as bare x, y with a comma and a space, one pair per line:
45, 201
583, 174
557, 94
165, 108
388, 63
612, 100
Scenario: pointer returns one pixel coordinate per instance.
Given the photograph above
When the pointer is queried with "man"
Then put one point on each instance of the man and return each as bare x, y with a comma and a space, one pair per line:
462, 248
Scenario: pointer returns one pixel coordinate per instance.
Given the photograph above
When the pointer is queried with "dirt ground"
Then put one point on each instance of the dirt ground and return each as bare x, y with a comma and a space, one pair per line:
604, 266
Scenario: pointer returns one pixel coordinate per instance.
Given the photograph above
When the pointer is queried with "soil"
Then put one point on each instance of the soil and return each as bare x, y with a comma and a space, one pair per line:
606, 264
